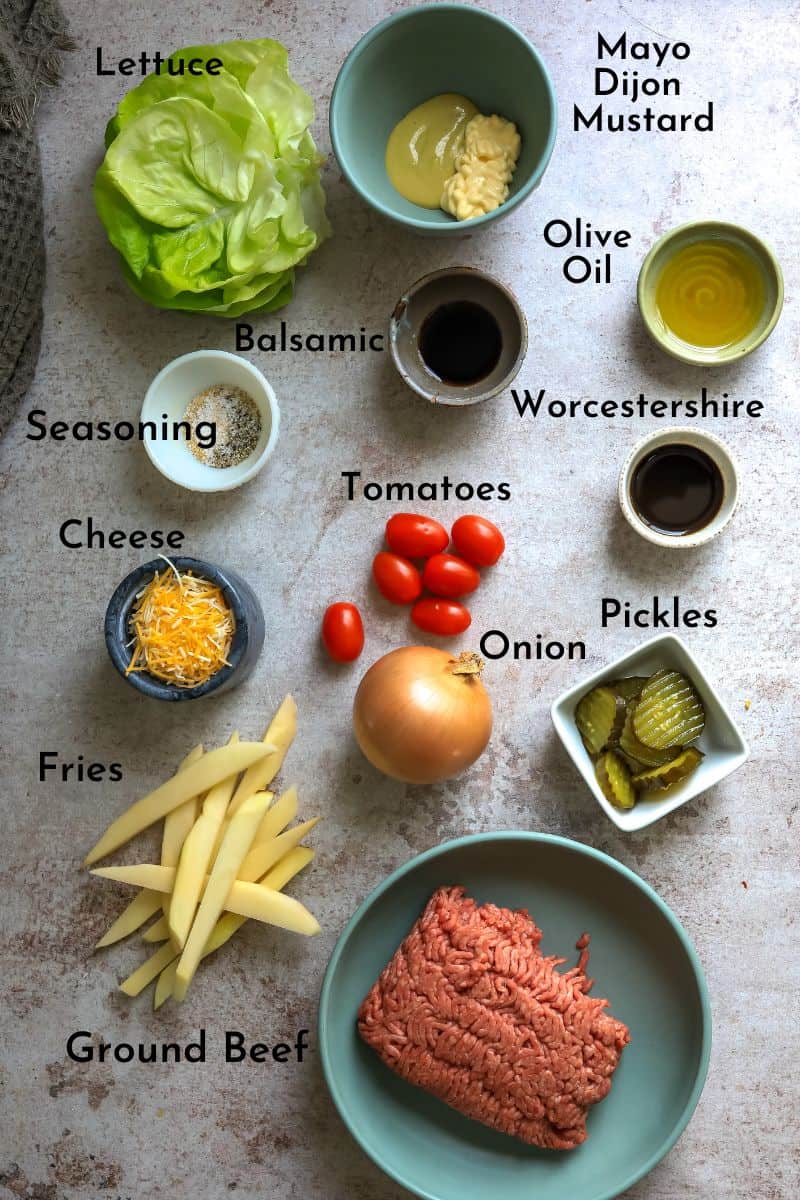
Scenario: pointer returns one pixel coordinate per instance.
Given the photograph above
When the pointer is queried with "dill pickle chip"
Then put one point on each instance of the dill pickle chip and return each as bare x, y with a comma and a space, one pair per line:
630, 688
656, 779
635, 751
615, 780
633, 764
600, 715
669, 711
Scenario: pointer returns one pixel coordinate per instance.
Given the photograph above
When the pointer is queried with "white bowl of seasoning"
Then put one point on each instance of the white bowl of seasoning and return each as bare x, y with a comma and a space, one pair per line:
215, 421
679, 487
458, 336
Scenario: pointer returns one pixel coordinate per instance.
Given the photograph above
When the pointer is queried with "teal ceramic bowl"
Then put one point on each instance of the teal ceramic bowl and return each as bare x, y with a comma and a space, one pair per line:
422, 52
641, 958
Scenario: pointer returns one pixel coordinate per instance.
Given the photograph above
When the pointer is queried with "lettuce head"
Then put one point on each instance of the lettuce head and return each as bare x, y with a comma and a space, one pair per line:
210, 186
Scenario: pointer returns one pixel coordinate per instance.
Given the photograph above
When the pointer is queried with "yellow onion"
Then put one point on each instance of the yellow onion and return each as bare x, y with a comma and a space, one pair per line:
421, 715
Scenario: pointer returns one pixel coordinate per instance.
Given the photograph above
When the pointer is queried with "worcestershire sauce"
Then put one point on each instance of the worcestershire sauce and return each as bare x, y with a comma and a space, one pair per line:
677, 489
460, 342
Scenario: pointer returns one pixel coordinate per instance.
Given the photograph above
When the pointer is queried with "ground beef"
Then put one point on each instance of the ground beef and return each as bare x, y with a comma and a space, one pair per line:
471, 1010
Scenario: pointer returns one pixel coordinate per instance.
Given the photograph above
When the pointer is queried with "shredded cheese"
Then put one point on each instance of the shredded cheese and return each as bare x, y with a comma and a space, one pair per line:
183, 628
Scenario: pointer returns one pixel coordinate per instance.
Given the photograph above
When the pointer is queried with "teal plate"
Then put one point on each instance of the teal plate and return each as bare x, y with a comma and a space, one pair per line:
641, 959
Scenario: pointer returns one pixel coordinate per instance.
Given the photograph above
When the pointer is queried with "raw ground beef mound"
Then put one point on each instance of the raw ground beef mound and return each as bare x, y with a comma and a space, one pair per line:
471, 1010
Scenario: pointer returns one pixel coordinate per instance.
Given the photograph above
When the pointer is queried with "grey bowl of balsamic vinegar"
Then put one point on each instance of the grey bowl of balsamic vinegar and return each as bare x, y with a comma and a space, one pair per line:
458, 336
679, 487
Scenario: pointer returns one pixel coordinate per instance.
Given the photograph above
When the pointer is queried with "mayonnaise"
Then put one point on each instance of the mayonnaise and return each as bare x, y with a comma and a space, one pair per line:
483, 169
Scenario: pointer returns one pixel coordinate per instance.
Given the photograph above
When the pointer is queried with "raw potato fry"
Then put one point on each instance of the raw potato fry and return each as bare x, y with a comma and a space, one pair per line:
160, 931
208, 771
232, 853
223, 829
165, 983
257, 862
177, 824
260, 903
146, 875
279, 737
196, 858
147, 972
238, 900
275, 820
290, 865
226, 856
264, 856
140, 909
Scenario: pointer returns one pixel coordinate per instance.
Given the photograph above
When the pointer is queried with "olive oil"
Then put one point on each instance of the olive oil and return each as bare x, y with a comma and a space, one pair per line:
460, 342
711, 293
677, 489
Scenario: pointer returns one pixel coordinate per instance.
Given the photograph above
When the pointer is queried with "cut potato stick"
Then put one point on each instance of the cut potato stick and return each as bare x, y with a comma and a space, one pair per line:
195, 859
146, 875
232, 853
276, 818
165, 983
223, 829
159, 932
289, 866
140, 909
177, 824
147, 972
238, 899
265, 904
265, 855
279, 736
208, 771
162, 879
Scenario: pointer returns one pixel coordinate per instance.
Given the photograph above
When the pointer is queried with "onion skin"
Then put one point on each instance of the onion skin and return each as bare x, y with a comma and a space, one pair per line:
421, 715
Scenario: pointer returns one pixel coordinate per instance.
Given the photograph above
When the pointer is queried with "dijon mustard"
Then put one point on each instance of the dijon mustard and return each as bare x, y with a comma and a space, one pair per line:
445, 154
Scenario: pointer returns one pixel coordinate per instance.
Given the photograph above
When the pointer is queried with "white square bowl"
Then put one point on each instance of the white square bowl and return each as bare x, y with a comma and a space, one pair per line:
721, 741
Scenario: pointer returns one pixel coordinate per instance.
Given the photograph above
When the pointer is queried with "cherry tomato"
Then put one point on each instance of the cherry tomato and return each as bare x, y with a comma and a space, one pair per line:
397, 578
478, 541
343, 632
415, 537
445, 617
446, 575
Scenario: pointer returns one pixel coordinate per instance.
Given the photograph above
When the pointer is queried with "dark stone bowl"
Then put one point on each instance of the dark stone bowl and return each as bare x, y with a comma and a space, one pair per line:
248, 637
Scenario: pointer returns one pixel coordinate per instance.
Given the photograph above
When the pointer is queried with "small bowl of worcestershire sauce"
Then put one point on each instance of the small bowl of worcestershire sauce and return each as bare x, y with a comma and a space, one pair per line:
458, 336
679, 487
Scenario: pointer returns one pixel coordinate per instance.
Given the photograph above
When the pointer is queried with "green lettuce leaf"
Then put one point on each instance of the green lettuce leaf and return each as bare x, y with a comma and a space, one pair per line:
210, 187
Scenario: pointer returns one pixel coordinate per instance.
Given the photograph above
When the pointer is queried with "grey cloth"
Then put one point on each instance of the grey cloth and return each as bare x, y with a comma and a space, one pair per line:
33, 35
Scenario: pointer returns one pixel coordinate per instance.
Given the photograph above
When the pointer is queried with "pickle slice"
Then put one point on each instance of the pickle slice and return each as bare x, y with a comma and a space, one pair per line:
630, 688
659, 778
636, 751
633, 764
615, 780
600, 715
669, 711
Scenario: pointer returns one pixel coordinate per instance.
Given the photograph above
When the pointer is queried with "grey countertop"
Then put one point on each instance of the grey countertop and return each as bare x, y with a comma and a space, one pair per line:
727, 863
